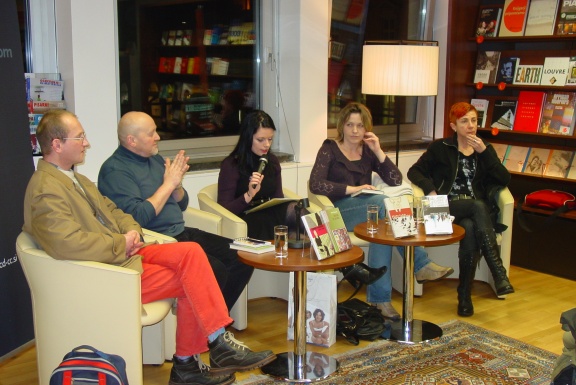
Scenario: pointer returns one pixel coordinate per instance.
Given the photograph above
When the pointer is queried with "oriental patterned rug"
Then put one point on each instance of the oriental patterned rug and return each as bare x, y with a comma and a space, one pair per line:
464, 355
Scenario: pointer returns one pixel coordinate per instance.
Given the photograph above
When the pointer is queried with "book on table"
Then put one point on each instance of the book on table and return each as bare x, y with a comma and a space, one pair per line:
514, 15
319, 236
332, 218
558, 113
399, 214
436, 214
529, 111
252, 245
367, 191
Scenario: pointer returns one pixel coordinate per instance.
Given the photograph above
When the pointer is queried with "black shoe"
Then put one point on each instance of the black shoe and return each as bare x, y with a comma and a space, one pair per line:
192, 371
228, 355
361, 273
465, 307
503, 287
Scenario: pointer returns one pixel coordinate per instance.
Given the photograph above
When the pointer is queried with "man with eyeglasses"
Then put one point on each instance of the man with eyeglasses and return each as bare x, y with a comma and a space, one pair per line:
149, 187
71, 220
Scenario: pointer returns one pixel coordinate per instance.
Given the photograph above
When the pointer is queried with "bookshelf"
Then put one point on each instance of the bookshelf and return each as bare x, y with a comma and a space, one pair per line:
197, 65
531, 250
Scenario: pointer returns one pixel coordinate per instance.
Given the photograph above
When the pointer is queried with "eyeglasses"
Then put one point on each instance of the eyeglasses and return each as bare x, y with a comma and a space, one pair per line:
81, 137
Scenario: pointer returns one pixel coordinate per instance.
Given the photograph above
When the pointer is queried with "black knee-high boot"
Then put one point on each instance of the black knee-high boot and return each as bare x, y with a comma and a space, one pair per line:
467, 261
492, 256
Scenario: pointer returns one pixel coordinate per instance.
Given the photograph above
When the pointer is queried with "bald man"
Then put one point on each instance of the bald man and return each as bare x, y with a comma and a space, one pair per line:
149, 187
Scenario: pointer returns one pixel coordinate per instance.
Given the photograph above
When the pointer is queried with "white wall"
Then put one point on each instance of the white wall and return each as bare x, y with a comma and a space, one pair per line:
87, 59
294, 83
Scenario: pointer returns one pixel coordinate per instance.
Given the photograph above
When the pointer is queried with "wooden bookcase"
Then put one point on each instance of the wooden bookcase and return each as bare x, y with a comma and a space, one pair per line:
546, 248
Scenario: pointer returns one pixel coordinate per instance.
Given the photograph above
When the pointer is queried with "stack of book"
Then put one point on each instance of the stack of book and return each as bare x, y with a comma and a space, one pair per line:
252, 245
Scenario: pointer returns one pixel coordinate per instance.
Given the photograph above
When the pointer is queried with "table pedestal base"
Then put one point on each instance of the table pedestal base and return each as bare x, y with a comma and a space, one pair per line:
414, 332
290, 367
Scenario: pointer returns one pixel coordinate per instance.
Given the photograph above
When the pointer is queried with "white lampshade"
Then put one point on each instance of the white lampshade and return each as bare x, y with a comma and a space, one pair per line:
400, 70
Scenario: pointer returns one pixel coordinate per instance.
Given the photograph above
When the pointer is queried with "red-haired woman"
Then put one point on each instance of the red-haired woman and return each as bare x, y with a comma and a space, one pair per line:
467, 169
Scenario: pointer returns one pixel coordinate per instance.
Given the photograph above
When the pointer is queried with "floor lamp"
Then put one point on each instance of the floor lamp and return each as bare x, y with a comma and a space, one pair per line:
400, 68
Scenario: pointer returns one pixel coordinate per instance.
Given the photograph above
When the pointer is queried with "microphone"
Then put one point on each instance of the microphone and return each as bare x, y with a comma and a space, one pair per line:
263, 163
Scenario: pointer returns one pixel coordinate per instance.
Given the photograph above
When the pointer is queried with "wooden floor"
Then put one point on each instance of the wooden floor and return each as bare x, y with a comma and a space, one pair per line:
530, 315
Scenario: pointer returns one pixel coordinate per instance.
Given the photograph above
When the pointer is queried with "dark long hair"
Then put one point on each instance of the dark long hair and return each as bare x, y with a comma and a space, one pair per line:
243, 150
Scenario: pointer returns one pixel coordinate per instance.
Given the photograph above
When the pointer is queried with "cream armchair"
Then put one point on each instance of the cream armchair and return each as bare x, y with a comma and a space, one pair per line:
448, 255
81, 302
263, 283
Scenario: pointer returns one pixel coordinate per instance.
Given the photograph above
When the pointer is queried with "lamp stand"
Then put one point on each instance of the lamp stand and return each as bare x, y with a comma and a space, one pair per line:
397, 117
299, 243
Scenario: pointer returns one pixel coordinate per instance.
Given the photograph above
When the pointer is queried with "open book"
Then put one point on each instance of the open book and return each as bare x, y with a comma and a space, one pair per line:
367, 191
270, 203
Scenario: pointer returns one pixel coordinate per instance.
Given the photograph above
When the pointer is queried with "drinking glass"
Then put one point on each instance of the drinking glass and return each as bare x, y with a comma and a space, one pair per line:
372, 218
417, 203
281, 241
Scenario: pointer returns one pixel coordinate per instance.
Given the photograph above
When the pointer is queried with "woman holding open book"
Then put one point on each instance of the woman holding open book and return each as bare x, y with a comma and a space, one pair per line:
251, 175
468, 170
343, 167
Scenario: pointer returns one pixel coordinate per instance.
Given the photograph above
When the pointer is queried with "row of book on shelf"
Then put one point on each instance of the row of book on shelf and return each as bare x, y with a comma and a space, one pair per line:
537, 161
494, 68
236, 33
191, 65
549, 112
527, 18
44, 92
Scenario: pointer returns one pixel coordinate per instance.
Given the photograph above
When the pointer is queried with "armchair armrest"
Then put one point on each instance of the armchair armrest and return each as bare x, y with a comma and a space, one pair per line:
232, 225
151, 236
203, 220
418, 192
321, 201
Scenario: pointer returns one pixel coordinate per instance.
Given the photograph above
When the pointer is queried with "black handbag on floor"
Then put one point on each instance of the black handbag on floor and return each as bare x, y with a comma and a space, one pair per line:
357, 320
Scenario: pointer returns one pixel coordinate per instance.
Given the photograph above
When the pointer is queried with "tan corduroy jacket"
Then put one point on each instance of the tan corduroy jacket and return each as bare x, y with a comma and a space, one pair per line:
73, 226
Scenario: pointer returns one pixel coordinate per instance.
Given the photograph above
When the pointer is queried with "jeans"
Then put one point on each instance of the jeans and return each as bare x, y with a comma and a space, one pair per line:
353, 212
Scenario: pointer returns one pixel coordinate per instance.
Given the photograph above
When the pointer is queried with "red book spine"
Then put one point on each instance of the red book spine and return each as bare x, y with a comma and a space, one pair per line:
529, 111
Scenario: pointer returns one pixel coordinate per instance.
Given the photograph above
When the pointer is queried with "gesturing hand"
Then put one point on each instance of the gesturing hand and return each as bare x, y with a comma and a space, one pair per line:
176, 169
